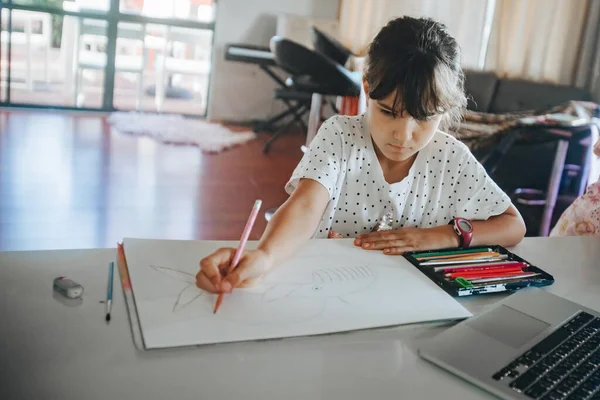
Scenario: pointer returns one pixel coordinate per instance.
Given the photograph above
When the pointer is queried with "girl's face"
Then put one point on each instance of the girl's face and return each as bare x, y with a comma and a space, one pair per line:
401, 137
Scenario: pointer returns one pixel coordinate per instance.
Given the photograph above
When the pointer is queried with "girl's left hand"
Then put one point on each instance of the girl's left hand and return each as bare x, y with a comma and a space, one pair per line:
404, 240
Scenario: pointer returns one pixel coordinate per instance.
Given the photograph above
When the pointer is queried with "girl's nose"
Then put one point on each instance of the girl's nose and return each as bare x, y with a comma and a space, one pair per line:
403, 130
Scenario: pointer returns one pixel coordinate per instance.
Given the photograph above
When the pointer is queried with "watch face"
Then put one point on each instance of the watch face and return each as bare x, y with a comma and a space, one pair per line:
465, 225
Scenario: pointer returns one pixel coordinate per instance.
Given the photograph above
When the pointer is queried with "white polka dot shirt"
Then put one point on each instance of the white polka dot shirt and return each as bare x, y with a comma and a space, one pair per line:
444, 182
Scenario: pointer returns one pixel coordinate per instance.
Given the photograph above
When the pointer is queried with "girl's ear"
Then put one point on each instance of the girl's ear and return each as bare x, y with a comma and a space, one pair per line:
366, 89
365, 86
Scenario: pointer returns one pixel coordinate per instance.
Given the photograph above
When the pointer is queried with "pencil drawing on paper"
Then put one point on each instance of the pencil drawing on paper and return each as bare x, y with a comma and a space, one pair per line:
323, 285
189, 293
326, 283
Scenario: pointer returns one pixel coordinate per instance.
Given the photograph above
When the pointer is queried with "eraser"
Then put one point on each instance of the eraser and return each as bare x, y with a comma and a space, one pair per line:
67, 287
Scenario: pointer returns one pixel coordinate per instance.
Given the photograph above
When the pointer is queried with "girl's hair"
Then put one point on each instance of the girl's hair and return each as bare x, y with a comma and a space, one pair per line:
419, 60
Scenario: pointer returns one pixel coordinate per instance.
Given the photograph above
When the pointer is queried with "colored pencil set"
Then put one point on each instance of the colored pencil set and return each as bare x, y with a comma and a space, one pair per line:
476, 267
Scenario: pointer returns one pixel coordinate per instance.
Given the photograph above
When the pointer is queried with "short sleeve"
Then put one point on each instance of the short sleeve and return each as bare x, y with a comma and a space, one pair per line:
322, 161
477, 196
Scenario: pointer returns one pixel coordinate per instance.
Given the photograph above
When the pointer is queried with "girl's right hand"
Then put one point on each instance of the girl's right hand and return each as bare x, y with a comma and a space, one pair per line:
252, 266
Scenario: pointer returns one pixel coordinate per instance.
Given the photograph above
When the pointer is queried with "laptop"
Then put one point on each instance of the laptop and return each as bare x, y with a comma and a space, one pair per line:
531, 345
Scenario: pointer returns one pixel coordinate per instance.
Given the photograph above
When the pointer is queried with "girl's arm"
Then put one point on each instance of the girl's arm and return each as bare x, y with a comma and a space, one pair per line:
290, 227
295, 221
506, 229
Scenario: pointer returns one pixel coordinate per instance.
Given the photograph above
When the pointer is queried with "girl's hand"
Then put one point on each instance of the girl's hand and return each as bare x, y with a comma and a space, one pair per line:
252, 266
404, 240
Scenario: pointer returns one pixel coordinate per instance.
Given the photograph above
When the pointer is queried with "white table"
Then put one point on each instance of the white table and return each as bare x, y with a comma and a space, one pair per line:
52, 351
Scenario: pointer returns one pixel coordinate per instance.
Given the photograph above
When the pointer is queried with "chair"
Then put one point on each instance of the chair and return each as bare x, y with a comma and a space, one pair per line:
542, 190
263, 58
313, 74
329, 46
91, 33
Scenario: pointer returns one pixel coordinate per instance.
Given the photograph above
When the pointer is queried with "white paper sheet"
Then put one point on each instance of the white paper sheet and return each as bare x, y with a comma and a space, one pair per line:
330, 286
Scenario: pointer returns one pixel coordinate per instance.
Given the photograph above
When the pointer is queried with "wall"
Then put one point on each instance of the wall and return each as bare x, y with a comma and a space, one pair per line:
240, 91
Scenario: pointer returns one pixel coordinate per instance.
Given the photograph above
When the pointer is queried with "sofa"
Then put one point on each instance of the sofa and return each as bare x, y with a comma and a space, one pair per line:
524, 171
493, 94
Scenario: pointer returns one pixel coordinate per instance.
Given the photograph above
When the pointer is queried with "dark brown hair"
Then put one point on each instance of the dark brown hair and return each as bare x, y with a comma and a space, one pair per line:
420, 61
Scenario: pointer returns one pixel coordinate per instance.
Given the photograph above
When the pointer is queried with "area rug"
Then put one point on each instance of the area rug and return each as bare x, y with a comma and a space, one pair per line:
177, 130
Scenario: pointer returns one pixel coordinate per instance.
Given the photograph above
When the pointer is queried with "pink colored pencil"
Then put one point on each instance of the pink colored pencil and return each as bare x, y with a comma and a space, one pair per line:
240, 249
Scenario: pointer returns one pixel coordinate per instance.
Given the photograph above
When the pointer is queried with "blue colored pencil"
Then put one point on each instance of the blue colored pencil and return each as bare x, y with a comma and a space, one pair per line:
109, 291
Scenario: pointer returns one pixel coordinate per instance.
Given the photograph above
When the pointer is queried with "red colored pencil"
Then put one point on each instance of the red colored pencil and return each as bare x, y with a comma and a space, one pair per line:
482, 267
484, 274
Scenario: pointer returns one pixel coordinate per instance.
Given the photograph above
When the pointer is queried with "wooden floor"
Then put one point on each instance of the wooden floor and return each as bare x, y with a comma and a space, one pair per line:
67, 182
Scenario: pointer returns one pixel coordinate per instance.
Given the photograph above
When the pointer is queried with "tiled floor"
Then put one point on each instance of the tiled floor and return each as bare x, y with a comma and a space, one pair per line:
67, 182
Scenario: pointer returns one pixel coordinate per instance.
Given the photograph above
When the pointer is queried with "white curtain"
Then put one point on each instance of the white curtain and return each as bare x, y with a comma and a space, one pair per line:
360, 20
536, 39
588, 69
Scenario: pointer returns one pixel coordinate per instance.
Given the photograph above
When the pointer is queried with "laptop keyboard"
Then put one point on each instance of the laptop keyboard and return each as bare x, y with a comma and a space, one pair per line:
565, 365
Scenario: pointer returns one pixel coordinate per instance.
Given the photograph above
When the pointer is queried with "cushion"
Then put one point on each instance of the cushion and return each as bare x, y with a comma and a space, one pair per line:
480, 87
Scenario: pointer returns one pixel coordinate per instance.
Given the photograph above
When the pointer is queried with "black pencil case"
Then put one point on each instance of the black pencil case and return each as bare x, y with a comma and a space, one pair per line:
455, 289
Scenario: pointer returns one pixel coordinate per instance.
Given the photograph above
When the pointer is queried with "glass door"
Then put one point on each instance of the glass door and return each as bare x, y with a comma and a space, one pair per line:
147, 55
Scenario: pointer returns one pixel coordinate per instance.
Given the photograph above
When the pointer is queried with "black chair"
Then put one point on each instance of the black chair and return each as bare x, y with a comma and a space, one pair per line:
329, 46
312, 73
296, 106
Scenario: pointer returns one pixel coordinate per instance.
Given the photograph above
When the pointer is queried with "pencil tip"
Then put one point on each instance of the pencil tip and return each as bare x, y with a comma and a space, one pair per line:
107, 317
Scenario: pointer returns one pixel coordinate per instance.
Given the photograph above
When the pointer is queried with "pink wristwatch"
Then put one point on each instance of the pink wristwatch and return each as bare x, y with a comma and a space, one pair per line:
464, 229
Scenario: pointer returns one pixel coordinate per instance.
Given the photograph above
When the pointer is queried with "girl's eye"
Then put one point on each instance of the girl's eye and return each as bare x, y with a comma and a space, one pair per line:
386, 112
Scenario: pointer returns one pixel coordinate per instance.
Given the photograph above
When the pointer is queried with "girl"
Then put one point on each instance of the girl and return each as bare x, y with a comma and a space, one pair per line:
391, 161
582, 218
